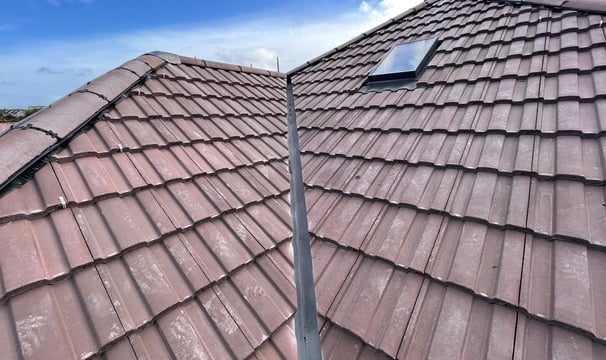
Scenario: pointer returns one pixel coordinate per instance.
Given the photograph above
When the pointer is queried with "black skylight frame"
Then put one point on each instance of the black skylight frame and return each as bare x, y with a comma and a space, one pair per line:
402, 66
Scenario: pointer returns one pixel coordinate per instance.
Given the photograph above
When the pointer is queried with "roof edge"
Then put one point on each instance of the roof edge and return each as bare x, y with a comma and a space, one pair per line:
317, 59
49, 128
230, 67
596, 6
166, 56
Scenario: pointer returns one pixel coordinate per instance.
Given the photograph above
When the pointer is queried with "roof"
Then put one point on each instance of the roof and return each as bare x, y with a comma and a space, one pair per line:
148, 212
594, 6
160, 226
5, 126
464, 218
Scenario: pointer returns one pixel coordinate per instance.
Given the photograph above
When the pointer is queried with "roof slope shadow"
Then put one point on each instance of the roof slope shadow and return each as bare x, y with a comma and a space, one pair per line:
146, 215
464, 218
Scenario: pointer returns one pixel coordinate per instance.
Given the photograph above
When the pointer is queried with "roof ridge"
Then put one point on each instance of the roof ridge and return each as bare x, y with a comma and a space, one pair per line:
597, 6
229, 67
52, 126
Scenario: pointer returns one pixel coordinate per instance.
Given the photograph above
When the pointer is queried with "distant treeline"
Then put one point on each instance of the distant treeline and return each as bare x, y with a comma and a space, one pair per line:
13, 115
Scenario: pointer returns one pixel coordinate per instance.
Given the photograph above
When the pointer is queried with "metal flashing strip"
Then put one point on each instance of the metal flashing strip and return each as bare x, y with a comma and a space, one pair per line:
306, 319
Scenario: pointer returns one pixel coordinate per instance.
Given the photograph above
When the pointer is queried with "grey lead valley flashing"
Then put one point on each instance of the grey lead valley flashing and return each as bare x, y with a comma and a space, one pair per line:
306, 319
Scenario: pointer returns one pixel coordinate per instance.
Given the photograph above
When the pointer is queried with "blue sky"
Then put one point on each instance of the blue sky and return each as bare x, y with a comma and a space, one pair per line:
50, 47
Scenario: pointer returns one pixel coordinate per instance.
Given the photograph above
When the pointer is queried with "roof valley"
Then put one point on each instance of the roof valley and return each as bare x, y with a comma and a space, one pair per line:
462, 218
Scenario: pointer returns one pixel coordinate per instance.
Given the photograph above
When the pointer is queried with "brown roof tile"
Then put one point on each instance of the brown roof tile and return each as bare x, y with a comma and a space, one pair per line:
28, 143
151, 222
462, 218
481, 189
5, 126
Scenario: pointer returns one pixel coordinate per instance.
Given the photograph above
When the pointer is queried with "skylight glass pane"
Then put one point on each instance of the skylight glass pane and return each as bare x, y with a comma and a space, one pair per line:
405, 60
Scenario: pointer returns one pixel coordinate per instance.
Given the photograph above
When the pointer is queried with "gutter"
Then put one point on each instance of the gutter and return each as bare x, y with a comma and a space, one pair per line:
306, 318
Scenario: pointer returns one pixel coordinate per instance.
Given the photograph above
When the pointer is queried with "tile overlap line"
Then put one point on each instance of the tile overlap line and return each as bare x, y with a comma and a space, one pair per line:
6, 297
559, 237
188, 299
465, 169
72, 204
329, 322
471, 131
476, 295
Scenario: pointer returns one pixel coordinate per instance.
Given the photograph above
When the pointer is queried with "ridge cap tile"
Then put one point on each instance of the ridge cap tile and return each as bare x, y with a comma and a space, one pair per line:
137, 66
229, 67
591, 5
28, 143
413, 239
166, 57
598, 6
67, 114
152, 60
70, 113
222, 66
114, 83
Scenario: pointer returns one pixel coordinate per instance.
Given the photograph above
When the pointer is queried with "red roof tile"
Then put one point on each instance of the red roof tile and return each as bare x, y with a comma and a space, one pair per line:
28, 143
5, 126
163, 218
463, 218
453, 217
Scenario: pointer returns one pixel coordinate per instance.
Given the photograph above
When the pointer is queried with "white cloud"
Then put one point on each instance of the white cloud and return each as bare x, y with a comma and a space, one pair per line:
259, 57
80, 72
382, 10
256, 42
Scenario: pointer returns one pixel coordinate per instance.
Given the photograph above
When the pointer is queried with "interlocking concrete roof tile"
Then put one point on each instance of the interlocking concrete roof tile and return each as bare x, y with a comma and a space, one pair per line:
163, 214
466, 215
463, 217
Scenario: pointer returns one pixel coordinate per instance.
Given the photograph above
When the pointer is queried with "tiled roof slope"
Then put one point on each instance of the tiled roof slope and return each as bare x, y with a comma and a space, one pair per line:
4, 126
34, 137
582, 5
160, 229
465, 218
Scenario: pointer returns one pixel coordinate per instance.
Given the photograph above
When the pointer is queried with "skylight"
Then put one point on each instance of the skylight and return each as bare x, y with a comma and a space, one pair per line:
402, 65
